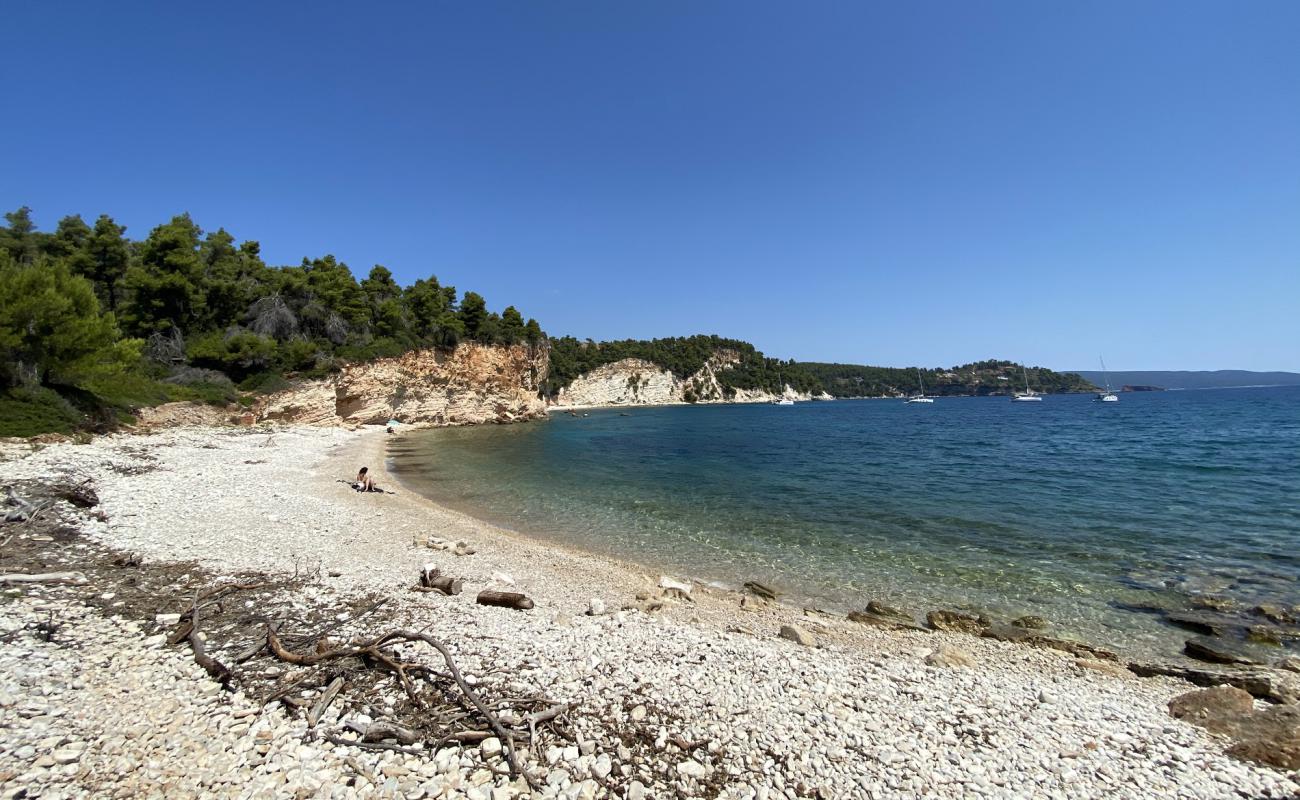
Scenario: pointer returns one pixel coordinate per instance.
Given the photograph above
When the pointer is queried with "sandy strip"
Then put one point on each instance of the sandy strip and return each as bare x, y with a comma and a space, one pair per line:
858, 714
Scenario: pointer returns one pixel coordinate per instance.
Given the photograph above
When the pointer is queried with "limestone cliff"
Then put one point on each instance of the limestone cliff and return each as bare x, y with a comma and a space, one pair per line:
471, 384
634, 381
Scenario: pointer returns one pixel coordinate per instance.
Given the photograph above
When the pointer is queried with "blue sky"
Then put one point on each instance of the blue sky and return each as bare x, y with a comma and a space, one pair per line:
877, 183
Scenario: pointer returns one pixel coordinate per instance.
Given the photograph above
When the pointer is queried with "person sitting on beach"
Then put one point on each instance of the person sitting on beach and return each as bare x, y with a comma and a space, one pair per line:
365, 483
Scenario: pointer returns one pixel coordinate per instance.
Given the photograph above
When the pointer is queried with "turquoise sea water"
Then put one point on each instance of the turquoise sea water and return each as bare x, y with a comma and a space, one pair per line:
1069, 509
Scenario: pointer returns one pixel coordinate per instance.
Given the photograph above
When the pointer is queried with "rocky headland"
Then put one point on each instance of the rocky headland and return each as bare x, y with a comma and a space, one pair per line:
635, 381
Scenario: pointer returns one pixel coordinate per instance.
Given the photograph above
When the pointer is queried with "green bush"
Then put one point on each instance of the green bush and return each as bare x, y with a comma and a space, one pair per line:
29, 412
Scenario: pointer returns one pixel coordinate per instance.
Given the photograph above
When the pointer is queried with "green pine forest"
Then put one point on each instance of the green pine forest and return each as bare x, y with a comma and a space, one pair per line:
683, 356
980, 378
94, 324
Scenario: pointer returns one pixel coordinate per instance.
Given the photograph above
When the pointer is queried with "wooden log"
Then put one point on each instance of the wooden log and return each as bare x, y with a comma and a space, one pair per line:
515, 600
432, 579
44, 577
447, 584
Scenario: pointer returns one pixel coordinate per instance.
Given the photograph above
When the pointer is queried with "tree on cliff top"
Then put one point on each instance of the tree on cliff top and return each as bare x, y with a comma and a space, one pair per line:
203, 301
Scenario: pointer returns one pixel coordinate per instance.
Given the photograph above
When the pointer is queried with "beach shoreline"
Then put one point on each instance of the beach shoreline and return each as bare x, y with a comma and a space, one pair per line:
853, 711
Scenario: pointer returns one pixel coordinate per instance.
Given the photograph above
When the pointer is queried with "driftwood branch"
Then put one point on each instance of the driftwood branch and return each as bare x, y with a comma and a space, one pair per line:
44, 577
318, 710
220, 672
372, 651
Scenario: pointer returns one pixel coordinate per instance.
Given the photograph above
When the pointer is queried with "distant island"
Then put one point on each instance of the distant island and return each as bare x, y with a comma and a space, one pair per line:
1139, 380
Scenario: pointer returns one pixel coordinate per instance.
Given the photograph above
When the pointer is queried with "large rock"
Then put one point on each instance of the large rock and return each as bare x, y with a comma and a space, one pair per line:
1218, 651
950, 657
888, 623
1010, 633
1105, 667
1271, 737
956, 621
1222, 709
796, 634
885, 610
473, 383
1275, 686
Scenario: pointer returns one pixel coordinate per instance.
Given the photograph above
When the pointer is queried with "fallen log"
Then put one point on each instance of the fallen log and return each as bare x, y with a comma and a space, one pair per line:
515, 600
44, 577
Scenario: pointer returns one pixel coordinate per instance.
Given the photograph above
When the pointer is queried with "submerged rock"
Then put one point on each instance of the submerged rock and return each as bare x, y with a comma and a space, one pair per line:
1273, 613
1204, 624
1217, 651
1030, 621
1213, 602
1265, 634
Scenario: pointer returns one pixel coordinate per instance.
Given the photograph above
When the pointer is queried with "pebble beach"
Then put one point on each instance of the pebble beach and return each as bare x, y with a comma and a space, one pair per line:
692, 693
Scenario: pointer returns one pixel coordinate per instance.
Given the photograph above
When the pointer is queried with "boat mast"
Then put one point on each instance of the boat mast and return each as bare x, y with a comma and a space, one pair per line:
1105, 376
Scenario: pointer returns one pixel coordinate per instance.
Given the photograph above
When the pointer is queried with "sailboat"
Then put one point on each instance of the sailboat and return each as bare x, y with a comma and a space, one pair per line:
1029, 395
1107, 396
920, 398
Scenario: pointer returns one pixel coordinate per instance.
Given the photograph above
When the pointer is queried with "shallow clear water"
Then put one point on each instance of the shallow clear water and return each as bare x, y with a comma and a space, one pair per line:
1065, 508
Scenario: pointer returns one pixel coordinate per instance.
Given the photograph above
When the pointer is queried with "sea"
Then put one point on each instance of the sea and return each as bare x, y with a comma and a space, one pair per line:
1088, 514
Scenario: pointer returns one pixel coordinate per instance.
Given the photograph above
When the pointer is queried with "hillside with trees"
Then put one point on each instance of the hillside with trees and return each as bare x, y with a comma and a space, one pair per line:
93, 323
682, 356
990, 377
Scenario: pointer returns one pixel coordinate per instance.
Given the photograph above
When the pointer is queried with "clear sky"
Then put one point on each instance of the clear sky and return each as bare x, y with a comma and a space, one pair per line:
901, 183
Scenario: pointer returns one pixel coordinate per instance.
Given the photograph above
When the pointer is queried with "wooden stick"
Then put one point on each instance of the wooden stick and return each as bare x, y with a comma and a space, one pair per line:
210, 665
314, 715
44, 577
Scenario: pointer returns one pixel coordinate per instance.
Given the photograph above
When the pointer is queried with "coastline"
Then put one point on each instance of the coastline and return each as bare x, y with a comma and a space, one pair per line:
860, 713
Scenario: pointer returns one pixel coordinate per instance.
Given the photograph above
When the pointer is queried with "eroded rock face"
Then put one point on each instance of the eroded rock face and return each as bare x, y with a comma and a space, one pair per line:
634, 381
471, 384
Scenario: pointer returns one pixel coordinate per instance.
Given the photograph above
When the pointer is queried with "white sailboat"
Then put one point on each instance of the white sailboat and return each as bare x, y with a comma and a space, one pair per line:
1107, 396
1029, 395
920, 398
